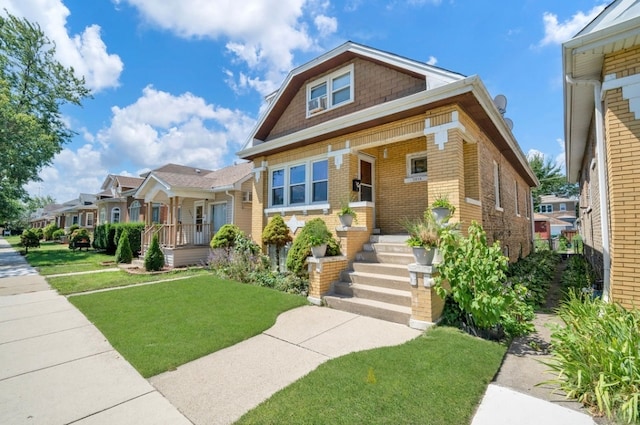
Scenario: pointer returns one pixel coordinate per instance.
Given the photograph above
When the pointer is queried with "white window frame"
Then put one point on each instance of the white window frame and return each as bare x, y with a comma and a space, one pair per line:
113, 214
135, 205
103, 215
89, 219
411, 176
328, 81
545, 208
562, 206
308, 184
496, 185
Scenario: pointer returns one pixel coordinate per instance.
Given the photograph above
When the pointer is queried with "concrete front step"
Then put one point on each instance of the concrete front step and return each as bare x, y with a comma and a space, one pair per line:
378, 293
385, 257
400, 283
371, 308
398, 270
386, 247
399, 239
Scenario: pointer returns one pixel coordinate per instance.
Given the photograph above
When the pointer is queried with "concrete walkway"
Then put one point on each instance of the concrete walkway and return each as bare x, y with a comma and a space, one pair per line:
57, 368
221, 387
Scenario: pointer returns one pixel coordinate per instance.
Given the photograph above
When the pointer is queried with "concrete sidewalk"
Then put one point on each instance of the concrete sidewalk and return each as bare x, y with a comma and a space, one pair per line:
57, 368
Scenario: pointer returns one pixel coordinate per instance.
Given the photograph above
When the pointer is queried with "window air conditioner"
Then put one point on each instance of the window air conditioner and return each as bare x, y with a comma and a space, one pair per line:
318, 104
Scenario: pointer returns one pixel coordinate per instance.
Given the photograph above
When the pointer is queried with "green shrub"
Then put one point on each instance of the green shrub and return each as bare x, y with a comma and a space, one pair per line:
535, 272
73, 228
238, 260
225, 237
78, 235
595, 356
541, 244
578, 275
57, 234
123, 253
134, 231
104, 238
276, 233
29, 239
475, 273
154, 257
49, 230
301, 247
39, 232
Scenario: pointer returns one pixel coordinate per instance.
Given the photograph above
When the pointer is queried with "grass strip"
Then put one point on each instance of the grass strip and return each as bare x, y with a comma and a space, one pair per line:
438, 378
67, 285
159, 327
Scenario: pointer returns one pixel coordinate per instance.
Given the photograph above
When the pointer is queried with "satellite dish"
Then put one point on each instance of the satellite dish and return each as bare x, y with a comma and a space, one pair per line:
501, 103
509, 123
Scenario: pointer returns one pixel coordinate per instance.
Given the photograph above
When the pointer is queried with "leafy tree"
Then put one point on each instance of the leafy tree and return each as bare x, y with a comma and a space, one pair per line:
33, 88
276, 233
49, 229
29, 239
123, 253
552, 181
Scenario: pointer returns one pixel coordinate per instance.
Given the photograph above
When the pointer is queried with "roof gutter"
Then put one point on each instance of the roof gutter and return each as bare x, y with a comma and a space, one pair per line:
602, 178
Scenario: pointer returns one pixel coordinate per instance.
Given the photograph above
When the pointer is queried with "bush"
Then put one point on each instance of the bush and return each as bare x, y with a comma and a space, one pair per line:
104, 238
123, 253
49, 230
154, 258
475, 273
29, 239
225, 237
57, 234
578, 275
79, 235
73, 228
134, 231
276, 233
595, 356
535, 272
301, 247
39, 232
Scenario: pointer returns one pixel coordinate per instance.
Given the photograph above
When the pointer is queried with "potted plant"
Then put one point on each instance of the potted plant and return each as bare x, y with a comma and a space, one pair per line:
318, 237
442, 209
347, 215
423, 239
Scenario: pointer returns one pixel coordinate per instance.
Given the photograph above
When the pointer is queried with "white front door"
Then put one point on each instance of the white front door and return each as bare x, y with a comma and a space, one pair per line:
198, 220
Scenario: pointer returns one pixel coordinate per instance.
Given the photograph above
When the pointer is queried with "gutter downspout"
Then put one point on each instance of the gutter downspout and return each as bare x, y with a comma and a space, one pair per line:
233, 206
602, 180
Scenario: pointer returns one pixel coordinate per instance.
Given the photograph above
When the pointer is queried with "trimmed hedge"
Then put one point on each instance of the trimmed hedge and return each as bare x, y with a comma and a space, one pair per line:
106, 237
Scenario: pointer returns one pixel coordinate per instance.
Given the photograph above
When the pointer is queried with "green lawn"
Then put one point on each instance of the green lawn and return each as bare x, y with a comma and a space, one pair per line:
54, 258
438, 378
159, 327
90, 282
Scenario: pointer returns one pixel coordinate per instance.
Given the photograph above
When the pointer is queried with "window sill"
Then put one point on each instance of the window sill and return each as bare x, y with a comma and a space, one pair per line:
416, 178
473, 202
298, 208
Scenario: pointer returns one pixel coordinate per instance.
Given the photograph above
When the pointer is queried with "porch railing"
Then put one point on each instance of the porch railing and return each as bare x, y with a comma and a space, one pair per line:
179, 235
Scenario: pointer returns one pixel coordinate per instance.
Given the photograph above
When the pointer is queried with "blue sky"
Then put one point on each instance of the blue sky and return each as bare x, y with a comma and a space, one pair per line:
183, 81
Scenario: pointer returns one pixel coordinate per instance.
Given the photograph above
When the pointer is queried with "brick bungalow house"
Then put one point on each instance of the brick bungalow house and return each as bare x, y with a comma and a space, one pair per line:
192, 204
389, 134
116, 202
601, 65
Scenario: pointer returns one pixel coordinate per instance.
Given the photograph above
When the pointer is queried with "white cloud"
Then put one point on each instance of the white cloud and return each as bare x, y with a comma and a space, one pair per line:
432, 60
326, 25
558, 33
262, 34
85, 52
160, 127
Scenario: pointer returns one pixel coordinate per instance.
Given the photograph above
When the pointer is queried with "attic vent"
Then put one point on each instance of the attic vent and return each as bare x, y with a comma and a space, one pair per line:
247, 196
318, 104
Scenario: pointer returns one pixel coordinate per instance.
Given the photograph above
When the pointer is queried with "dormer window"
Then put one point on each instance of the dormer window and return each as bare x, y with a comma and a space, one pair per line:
333, 90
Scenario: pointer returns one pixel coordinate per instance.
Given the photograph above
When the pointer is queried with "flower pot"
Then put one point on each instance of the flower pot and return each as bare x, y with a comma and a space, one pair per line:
423, 256
346, 220
318, 251
440, 214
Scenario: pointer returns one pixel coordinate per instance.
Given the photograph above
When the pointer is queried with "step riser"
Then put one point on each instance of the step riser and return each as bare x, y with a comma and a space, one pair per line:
387, 247
370, 311
388, 238
403, 300
398, 270
385, 257
381, 281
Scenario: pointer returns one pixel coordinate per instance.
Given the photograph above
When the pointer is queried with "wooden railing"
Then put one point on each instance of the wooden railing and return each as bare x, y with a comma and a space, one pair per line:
179, 235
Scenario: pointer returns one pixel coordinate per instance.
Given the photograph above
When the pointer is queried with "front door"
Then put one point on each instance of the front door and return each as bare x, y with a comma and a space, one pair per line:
198, 220
366, 179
